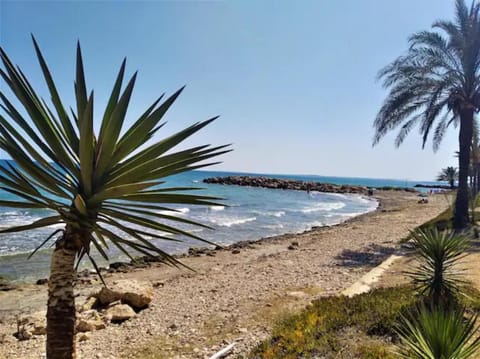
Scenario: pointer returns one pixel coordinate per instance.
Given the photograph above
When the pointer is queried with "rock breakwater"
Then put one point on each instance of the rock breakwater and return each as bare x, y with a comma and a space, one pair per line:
278, 183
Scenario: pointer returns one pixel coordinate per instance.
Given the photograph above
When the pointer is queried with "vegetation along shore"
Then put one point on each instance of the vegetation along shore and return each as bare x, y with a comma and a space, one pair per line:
235, 295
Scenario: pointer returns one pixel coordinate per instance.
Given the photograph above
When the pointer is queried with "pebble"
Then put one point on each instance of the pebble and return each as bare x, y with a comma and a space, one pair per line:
227, 312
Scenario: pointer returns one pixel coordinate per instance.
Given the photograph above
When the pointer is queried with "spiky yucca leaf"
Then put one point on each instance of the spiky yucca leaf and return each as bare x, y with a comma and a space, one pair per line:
436, 333
438, 275
96, 182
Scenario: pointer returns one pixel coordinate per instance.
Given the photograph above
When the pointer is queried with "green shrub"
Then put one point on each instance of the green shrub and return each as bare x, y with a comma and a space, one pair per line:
438, 333
317, 331
437, 275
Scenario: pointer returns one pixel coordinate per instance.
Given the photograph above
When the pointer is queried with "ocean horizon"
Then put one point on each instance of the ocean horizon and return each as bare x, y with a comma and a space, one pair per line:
247, 213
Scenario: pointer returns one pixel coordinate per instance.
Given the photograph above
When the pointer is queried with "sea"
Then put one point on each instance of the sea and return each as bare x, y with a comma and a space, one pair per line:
246, 213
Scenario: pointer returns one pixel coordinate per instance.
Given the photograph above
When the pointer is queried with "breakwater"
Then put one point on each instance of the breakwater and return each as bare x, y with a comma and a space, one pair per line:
290, 184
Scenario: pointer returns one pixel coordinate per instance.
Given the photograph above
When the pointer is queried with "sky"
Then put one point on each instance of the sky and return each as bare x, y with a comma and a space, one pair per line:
294, 82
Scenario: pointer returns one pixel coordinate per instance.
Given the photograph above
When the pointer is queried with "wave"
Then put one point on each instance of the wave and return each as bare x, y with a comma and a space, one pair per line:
217, 208
273, 226
17, 221
319, 207
228, 222
175, 212
270, 213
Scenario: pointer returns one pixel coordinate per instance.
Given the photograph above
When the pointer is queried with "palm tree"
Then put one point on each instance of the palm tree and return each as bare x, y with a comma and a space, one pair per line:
448, 174
437, 81
475, 160
105, 188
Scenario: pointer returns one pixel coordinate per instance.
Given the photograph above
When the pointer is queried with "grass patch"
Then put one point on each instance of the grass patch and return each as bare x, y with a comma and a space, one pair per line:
342, 327
442, 222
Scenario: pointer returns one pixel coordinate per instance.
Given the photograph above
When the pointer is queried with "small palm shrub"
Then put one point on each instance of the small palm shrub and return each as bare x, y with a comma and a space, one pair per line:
436, 333
437, 276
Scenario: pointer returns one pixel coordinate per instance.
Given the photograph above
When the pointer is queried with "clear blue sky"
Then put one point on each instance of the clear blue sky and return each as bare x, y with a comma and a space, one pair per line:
293, 81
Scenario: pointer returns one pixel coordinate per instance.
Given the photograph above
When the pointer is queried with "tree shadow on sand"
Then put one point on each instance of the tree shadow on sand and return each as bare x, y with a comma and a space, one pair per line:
371, 255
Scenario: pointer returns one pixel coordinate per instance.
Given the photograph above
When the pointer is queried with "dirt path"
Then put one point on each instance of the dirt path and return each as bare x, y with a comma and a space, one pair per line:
235, 296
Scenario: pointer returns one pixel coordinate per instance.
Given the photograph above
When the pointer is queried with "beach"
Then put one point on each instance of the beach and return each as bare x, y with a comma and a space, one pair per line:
234, 295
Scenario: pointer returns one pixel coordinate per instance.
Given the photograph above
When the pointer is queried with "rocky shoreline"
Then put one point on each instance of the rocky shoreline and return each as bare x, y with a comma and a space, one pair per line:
235, 294
290, 184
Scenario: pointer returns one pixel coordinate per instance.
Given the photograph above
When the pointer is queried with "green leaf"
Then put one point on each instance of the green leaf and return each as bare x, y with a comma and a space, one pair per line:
138, 133
87, 147
45, 125
96, 268
159, 148
80, 205
68, 129
44, 242
80, 87
15, 204
119, 191
112, 102
157, 215
109, 138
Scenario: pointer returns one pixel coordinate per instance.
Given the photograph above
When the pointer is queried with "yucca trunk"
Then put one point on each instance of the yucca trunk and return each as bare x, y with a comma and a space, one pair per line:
465, 140
61, 300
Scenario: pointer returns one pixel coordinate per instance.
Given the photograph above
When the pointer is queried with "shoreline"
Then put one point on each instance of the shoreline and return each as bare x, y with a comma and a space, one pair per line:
144, 261
236, 294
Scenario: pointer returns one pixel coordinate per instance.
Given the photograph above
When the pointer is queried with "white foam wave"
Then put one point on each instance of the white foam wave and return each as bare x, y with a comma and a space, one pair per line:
11, 213
273, 226
57, 225
271, 213
176, 212
17, 221
319, 207
217, 208
228, 222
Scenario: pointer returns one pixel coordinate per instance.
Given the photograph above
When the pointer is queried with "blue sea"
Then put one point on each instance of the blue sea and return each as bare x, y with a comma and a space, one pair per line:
248, 214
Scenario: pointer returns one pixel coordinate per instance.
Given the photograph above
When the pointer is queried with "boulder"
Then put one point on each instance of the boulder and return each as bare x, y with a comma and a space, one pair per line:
120, 313
34, 324
83, 337
90, 303
6, 285
89, 321
85, 325
39, 330
135, 293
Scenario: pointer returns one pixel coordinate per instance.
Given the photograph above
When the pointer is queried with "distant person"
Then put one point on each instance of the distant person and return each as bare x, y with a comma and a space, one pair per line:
309, 187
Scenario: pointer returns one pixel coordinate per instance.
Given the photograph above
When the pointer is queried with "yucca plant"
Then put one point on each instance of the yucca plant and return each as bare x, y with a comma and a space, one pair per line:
106, 188
438, 276
436, 333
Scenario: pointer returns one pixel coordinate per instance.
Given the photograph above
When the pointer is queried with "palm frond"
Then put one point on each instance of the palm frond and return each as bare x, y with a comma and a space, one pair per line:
108, 187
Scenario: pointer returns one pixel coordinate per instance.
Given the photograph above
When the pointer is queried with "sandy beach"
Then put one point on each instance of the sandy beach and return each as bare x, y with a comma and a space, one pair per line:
235, 295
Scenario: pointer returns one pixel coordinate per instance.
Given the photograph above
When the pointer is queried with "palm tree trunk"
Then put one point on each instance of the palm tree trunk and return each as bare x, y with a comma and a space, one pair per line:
61, 301
477, 178
465, 140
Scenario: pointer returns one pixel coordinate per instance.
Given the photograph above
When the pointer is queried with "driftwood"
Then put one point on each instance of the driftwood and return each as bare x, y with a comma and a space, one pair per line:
224, 352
